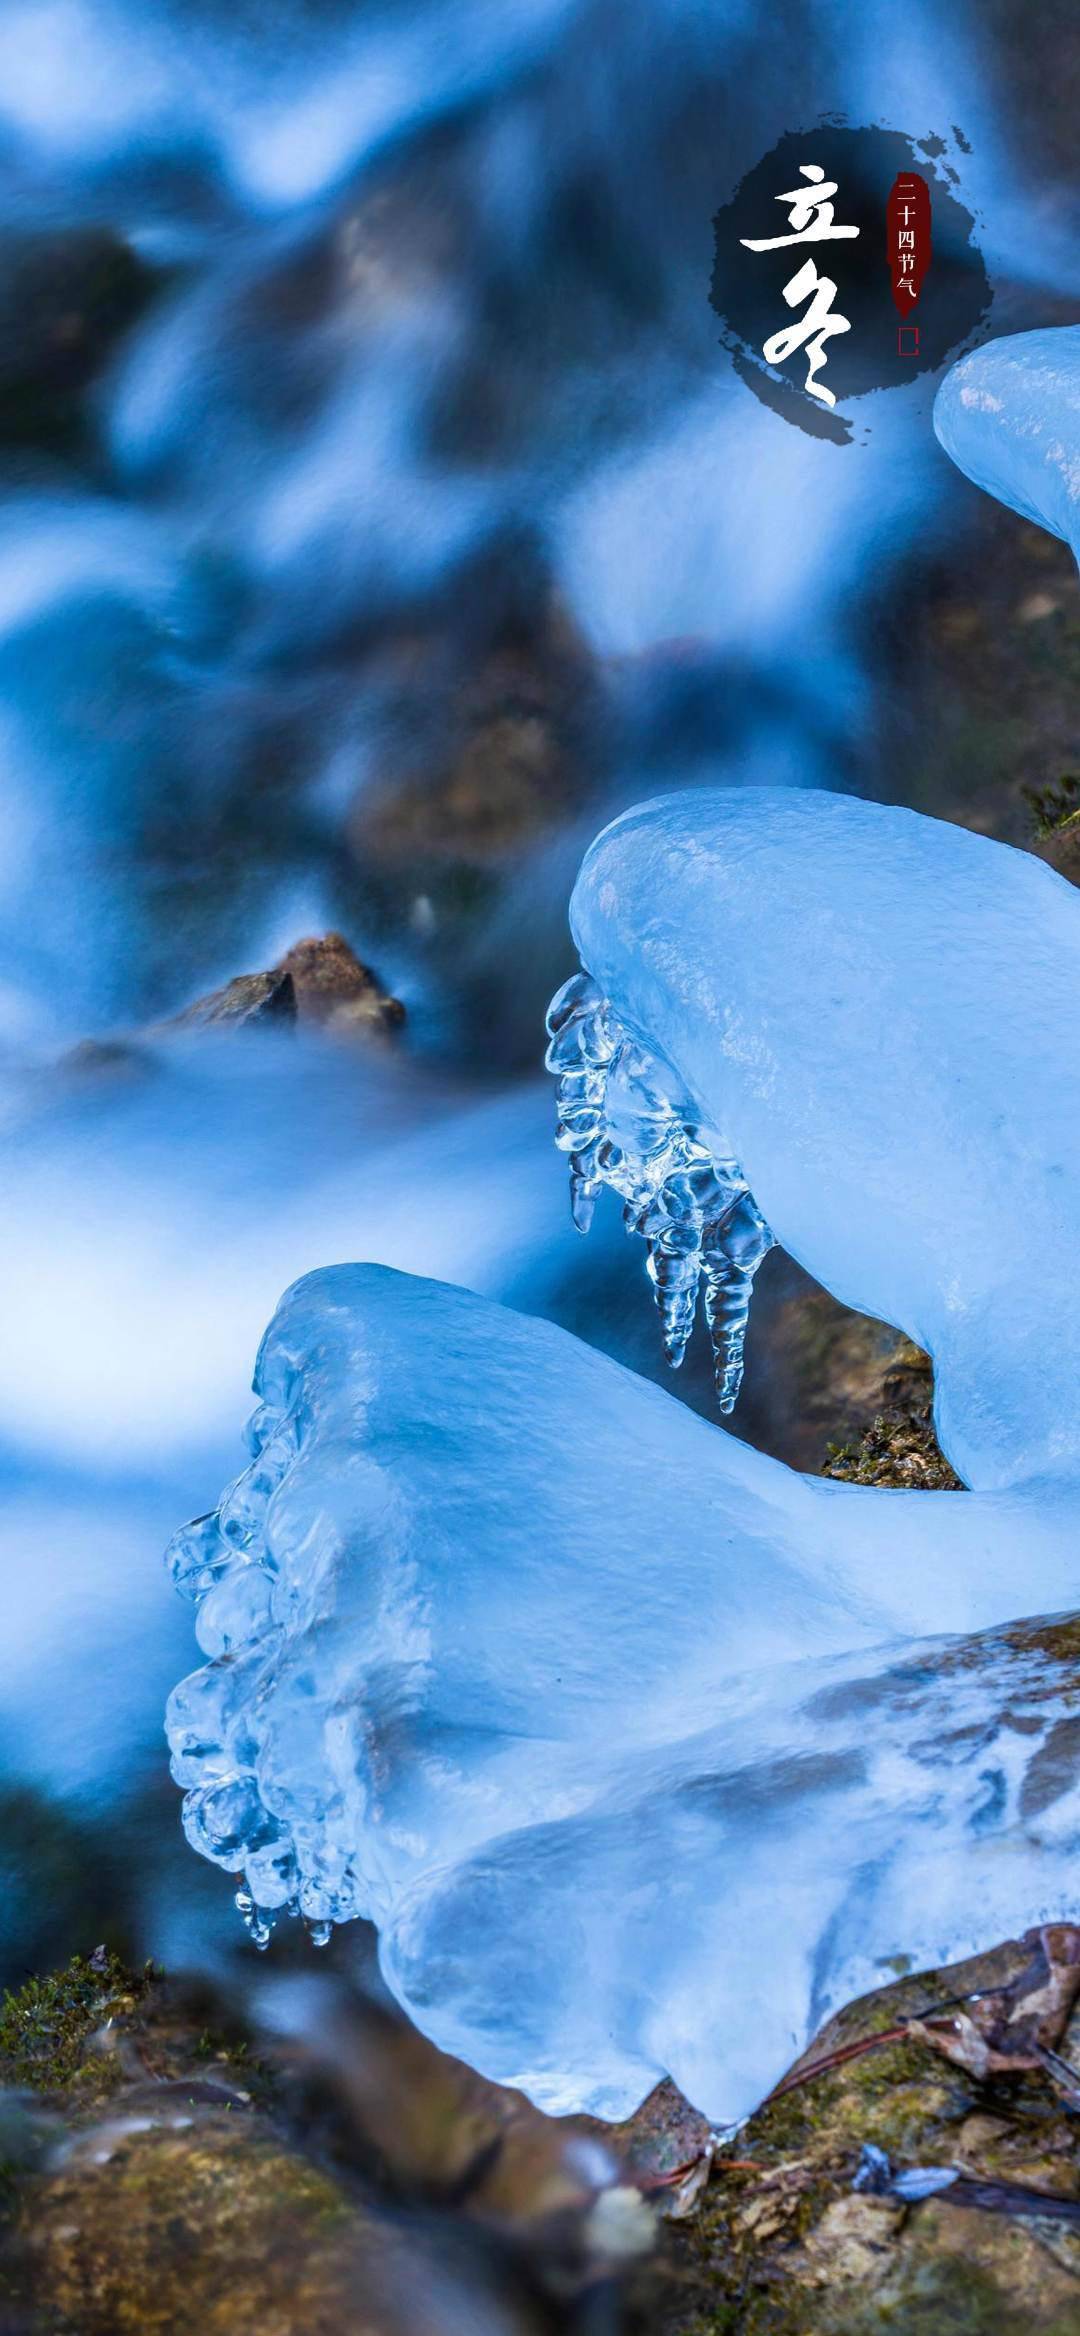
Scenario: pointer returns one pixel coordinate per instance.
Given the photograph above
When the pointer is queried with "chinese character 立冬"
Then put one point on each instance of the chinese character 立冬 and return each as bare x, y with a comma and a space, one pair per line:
812, 220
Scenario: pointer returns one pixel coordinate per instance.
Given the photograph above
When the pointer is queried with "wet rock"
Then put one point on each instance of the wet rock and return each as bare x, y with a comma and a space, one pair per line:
65, 300
1061, 850
111, 1058
899, 1447
783, 2243
1055, 812
836, 1393
267, 998
173, 2171
981, 646
491, 732
319, 983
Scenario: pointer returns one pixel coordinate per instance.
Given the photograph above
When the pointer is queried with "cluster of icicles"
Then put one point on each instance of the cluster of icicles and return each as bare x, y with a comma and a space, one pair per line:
220, 1563
623, 1126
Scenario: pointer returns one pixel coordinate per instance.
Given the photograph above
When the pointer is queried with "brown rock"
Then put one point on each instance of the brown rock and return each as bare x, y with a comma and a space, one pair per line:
267, 998
495, 745
333, 988
1061, 849
178, 2174
841, 1394
319, 983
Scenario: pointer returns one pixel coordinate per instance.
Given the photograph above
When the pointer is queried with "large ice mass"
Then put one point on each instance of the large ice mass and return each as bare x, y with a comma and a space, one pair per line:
641, 1750
874, 1012
1009, 414
560, 1684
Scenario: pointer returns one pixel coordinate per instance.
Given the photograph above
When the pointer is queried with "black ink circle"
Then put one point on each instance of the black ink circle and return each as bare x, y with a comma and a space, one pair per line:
747, 288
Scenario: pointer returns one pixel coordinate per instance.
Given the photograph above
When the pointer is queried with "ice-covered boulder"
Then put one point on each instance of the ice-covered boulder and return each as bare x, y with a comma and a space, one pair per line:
614, 1726
1009, 415
874, 1014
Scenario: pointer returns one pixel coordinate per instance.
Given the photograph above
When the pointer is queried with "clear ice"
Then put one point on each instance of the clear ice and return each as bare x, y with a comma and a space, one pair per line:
641, 1750
623, 1122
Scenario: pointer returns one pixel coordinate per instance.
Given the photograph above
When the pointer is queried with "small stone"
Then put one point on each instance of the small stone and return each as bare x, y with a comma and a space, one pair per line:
320, 983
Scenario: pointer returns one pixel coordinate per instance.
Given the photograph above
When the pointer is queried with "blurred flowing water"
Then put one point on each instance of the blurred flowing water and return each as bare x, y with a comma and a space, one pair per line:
357, 371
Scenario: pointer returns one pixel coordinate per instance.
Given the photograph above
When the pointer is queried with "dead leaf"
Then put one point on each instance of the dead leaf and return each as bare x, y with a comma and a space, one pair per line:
1014, 2026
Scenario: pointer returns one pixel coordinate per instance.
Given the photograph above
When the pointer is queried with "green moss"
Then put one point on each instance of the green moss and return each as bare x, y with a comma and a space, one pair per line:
214, 2044
899, 1448
1054, 807
946, 2293
45, 2026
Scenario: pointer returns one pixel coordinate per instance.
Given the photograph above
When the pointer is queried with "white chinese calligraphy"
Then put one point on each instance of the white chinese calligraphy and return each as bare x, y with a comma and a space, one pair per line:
814, 328
812, 220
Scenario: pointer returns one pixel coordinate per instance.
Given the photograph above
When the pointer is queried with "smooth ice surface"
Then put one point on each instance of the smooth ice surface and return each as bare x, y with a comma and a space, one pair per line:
876, 1014
513, 1654
598, 1713
1009, 415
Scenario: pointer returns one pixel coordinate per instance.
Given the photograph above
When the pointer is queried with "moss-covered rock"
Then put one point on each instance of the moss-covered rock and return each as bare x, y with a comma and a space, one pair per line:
899, 1446
783, 2245
48, 2028
162, 2168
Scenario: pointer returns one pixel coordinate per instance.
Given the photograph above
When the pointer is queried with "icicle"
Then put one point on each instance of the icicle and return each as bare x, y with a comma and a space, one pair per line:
673, 1266
584, 1191
623, 1124
732, 1252
257, 1923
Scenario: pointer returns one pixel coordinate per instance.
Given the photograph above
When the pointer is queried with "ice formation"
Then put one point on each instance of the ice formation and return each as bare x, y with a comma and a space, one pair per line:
504, 1641
622, 1120
876, 1012
1009, 414
640, 1749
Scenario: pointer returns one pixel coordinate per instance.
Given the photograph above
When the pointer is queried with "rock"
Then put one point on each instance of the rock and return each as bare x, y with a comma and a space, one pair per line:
492, 731
782, 2244
319, 983
899, 1446
266, 998
836, 1393
333, 988
167, 2170
1061, 849
1056, 816
65, 299
108, 1058
980, 654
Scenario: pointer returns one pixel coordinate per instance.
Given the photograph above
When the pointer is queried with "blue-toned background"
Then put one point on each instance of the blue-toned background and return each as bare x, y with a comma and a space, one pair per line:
379, 511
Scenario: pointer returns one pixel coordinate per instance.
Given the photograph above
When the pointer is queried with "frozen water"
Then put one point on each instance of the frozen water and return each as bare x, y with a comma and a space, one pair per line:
1009, 414
563, 1687
641, 1750
504, 1642
875, 1013
623, 1122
